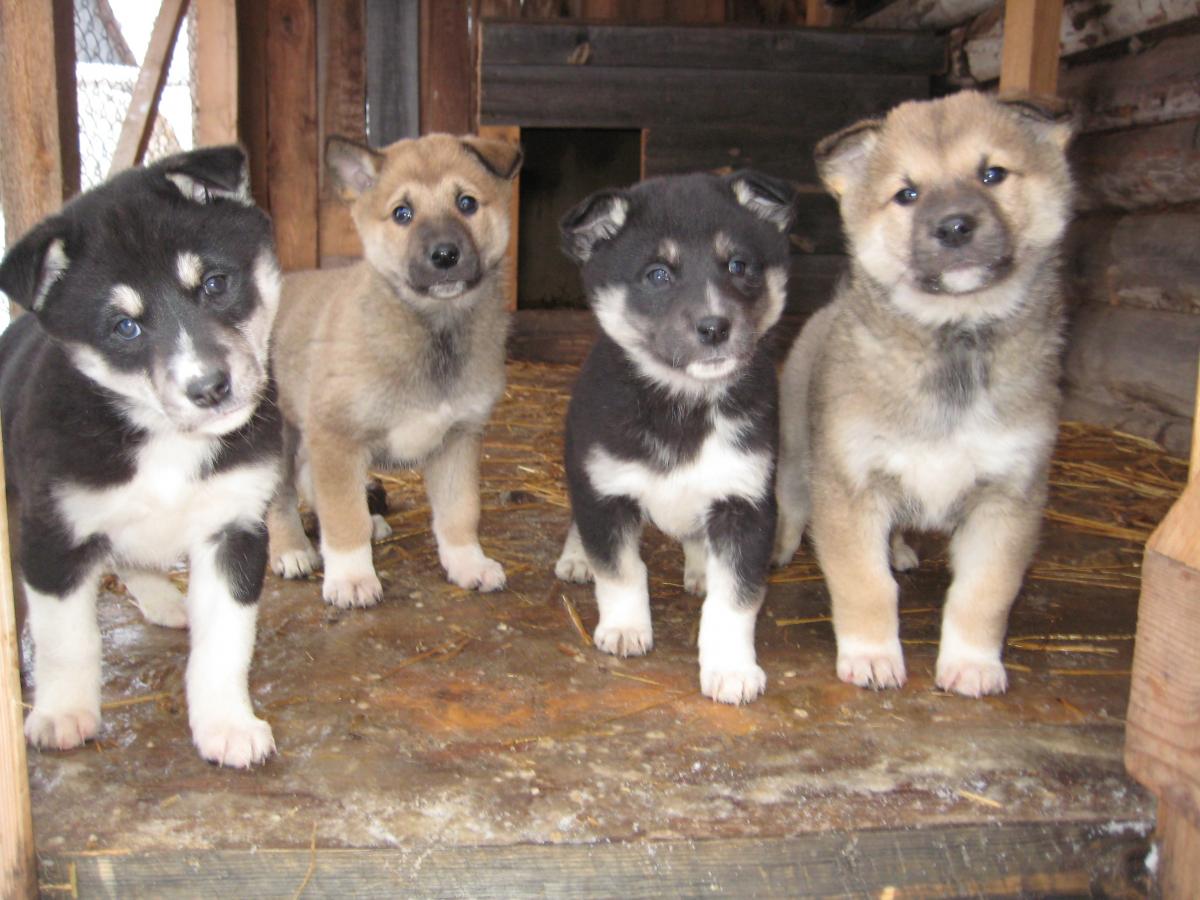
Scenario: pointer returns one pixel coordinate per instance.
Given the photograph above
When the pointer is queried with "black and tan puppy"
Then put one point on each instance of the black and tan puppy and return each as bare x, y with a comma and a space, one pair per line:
926, 397
398, 360
674, 418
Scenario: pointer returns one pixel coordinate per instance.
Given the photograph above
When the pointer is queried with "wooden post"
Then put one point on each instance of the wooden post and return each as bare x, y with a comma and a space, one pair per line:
1162, 733
447, 70
512, 134
292, 138
1029, 62
39, 137
819, 14
143, 106
216, 56
342, 95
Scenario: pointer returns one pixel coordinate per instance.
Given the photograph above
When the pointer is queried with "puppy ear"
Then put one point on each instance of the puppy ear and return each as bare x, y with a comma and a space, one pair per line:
771, 199
352, 166
500, 158
1051, 120
34, 264
842, 156
209, 174
596, 219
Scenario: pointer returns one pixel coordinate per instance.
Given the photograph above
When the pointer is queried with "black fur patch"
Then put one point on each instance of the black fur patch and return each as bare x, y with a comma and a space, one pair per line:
242, 559
744, 533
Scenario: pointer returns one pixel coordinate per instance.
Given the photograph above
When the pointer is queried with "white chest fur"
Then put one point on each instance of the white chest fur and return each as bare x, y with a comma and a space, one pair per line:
937, 472
424, 427
678, 500
169, 505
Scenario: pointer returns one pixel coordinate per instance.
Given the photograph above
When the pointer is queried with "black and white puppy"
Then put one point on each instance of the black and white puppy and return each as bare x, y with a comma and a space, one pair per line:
140, 428
674, 417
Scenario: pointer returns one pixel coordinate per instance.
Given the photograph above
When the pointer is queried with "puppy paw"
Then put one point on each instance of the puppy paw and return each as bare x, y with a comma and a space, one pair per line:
695, 581
573, 567
239, 743
159, 600
61, 730
345, 592
875, 666
904, 557
971, 677
737, 685
468, 568
380, 528
636, 640
296, 563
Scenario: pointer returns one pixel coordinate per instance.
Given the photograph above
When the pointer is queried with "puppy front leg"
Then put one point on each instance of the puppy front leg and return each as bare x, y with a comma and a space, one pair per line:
339, 470
225, 580
850, 534
291, 553
610, 529
989, 554
452, 482
66, 664
740, 535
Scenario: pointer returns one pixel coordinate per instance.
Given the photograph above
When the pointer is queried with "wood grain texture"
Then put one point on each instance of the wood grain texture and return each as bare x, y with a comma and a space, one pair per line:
18, 859
912, 15
1179, 866
393, 70
447, 67
343, 98
1029, 61
1140, 167
252, 21
143, 105
292, 133
216, 82
728, 47
31, 180
935, 862
66, 91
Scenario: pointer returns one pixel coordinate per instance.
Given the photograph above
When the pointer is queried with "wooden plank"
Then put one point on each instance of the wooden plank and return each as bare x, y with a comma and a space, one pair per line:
627, 97
1141, 167
393, 70
1086, 26
18, 857
512, 134
31, 179
292, 137
66, 94
1029, 63
934, 862
447, 67
252, 95
780, 49
216, 65
929, 15
1179, 866
784, 150
342, 87
143, 106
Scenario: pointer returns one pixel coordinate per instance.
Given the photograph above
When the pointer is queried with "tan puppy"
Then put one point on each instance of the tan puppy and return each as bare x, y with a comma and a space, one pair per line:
926, 395
398, 360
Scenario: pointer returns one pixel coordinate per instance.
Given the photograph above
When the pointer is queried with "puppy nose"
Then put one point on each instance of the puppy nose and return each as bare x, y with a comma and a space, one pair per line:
209, 389
955, 230
713, 330
444, 256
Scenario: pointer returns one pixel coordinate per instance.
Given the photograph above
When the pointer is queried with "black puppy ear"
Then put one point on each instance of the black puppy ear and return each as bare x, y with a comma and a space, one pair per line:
771, 199
354, 167
500, 158
841, 157
596, 219
210, 173
34, 264
1050, 120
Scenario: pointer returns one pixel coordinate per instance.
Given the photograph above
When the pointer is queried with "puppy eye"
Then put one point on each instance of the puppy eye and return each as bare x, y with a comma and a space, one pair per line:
402, 214
737, 266
216, 285
127, 329
993, 175
659, 276
467, 205
906, 196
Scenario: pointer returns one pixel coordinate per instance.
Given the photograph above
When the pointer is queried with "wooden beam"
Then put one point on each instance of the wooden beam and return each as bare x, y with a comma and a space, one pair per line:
928, 15
18, 859
393, 70
447, 69
32, 184
66, 93
1138, 168
342, 90
143, 106
1030, 62
252, 95
512, 134
216, 82
293, 153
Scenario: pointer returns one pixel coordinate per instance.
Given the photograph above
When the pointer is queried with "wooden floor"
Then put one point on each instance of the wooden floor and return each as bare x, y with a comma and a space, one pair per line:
455, 744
